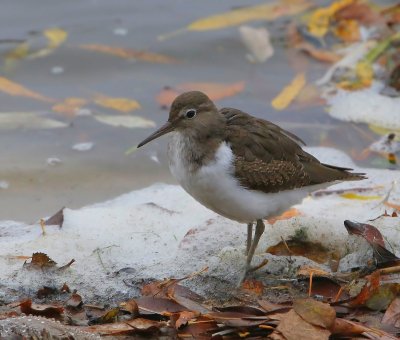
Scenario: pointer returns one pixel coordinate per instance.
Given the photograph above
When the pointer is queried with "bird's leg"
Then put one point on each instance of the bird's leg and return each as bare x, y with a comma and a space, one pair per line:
260, 227
249, 237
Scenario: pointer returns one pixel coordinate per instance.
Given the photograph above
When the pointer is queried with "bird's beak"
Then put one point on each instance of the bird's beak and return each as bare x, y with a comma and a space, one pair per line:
167, 127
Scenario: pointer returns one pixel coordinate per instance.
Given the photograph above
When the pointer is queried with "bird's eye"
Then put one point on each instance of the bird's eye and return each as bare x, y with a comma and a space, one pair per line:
190, 113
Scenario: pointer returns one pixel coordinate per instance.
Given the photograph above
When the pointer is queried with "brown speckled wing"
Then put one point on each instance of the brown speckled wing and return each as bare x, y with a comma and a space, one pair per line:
270, 159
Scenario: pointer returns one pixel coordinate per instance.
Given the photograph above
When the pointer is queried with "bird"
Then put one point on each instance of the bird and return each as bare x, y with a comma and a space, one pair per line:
242, 167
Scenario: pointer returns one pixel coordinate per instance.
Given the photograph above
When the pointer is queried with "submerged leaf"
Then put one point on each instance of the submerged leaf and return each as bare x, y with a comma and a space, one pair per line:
289, 93
28, 120
117, 103
125, 121
15, 89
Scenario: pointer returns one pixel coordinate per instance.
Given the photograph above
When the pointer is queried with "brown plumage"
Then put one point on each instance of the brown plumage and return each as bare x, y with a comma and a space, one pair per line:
270, 159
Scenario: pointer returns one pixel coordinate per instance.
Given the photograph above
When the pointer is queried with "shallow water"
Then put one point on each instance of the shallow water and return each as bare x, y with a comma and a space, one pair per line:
37, 189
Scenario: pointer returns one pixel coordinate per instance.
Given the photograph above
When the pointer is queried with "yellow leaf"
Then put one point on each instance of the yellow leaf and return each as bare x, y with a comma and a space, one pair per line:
128, 53
15, 89
69, 106
269, 11
125, 121
348, 30
364, 73
55, 36
119, 104
381, 130
318, 24
353, 196
289, 93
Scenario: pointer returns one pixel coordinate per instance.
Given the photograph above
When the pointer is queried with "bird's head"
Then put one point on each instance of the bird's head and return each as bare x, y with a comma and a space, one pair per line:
192, 113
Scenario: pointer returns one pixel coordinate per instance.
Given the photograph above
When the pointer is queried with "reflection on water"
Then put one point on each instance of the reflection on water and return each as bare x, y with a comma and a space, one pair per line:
39, 186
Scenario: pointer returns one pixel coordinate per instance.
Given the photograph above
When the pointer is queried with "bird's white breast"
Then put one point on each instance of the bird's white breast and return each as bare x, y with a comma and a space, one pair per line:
215, 186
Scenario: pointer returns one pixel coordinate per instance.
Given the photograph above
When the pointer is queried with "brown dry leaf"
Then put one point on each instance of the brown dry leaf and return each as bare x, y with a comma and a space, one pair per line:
215, 91
40, 261
184, 318
362, 12
253, 286
368, 290
348, 30
312, 250
315, 312
119, 104
293, 327
287, 215
197, 329
45, 292
289, 93
392, 314
383, 296
134, 326
131, 307
75, 301
319, 54
15, 89
57, 218
348, 328
48, 311
65, 288
69, 106
158, 305
235, 319
368, 231
273, 307
328, 288
127, 53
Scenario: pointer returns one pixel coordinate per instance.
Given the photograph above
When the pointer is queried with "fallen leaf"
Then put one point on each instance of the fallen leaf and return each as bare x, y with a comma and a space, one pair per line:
75, 301
392, 314
119, 104
15, 89
348, 30
69, 106
57, 218
56, 36
131, 307
48, 311
235, 319
367, 291
312, 250
253, 286
318, 24
138, 325
319, 54
269, 11
125, 121
108, 317
383, 257
158, 305
215, 91
197, 328
127, 53
294, 327
315, 312
28, 121
184, 318
40, 261
383, 296
368, 231
354, 196
289, 93
257, 42
358, 11
287, 215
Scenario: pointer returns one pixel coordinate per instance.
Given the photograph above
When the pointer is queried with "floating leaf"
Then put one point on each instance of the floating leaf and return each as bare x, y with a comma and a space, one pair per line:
117, 103
56, 36
15, 89
289, 93
215, 91
354, 196
348, 30
127, 53
125, 121
319, 22
28, 120
69, 106
269, 11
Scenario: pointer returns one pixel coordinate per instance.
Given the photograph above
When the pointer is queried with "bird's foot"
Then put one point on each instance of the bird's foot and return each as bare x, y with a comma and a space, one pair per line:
251, 269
